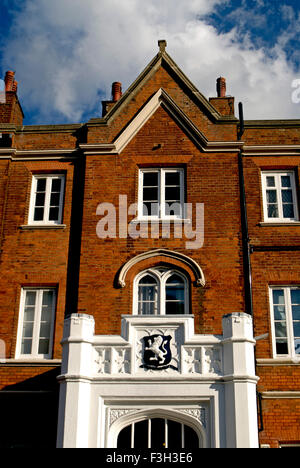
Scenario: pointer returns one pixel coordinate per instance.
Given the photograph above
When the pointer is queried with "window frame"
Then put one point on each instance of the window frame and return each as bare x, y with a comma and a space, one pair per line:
161, 279
166, 422
161, 193
32, 206
289, 322
34, 355
278, 174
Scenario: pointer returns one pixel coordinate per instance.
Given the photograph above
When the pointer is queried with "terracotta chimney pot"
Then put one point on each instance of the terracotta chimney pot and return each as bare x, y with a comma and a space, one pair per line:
221, 87
116, 91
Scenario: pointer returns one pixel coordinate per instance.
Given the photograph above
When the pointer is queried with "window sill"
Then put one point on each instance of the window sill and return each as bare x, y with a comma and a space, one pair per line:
279, 223
161, 221
30, 362
288, 361
29, 227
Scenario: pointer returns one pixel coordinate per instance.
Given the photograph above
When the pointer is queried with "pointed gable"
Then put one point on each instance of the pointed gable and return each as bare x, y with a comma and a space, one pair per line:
162, 83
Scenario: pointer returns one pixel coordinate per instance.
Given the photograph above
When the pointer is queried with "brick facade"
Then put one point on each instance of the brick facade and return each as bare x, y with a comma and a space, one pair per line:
83, 267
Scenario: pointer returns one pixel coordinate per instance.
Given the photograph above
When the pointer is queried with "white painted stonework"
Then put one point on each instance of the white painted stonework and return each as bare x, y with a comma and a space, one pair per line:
205, 381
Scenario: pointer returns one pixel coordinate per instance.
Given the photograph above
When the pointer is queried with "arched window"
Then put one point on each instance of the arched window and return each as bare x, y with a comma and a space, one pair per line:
158, 433
160, 291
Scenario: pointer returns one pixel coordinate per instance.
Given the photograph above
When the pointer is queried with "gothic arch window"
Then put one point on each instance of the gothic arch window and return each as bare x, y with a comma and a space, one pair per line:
158, 433
161, 291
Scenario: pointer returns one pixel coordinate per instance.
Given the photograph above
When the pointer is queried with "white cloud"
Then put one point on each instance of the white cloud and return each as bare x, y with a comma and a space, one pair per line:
68, 52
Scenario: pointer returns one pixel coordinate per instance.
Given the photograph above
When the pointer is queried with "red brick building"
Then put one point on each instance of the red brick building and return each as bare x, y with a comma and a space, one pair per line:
76, 238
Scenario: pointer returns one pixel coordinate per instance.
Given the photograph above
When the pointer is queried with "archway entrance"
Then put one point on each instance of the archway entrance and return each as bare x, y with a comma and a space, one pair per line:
158, 433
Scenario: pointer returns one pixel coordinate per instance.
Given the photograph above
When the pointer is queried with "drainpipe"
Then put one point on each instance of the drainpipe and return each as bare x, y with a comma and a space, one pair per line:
244, 219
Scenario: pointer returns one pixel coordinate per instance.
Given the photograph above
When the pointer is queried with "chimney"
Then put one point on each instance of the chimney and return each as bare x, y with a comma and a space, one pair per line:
10, 108
116, 91
223, 103
221, 87
9, 80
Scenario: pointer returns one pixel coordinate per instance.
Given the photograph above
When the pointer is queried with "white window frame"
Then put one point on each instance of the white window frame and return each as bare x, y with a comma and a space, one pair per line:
161, 193
278, 175
49, 178
36, 329
161, 278
166, 432
289, 321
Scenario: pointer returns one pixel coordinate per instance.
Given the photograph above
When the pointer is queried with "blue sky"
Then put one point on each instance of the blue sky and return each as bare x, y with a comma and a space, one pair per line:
66, 53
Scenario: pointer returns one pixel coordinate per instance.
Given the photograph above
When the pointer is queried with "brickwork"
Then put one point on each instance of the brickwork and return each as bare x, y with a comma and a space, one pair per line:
84, 267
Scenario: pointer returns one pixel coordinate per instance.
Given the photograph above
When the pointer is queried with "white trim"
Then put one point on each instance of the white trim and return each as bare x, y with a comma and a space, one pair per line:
277, 176
164, 253
142, 414
161, 98
46, 221
161, 279
34, 356
161, 194
289, 323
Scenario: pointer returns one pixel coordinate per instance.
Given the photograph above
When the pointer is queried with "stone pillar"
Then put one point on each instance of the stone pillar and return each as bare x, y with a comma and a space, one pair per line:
240, 382
74, 401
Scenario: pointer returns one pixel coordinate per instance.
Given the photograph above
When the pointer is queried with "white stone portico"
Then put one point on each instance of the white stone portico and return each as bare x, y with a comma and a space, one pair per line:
205, 381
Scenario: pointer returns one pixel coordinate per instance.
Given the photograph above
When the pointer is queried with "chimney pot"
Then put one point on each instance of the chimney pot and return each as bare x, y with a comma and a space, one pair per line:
116, 91
9, 80
221, 87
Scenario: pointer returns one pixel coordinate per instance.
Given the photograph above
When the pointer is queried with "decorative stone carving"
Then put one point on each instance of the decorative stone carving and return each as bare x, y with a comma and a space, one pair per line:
197, 413
103, 361
213, 361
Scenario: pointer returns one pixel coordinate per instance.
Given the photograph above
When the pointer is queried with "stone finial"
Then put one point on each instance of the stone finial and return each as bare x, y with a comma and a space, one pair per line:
162, 44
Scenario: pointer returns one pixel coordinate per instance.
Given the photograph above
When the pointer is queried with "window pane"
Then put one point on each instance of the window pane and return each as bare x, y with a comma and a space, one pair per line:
278, 296
191, 439
172, 194
172, 178
288, 211
271, 196
40, 199
297, 346
30, 298
175, 279
279, 312
53, 214
28, 330
150, 194
270, 181
26, 346
48, 298
141, 435
174, 435
45, 330
282, 347
174, 293
29, 314
41, 185
296, 327
54, 199
43, 347
158, 433
273, 211
174, 209
175, 308
286, 181
124, 438
295, 296
287, 196
280, 329
150, 209
147, 295
38, 214
150, 179
296, 312
56, 185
